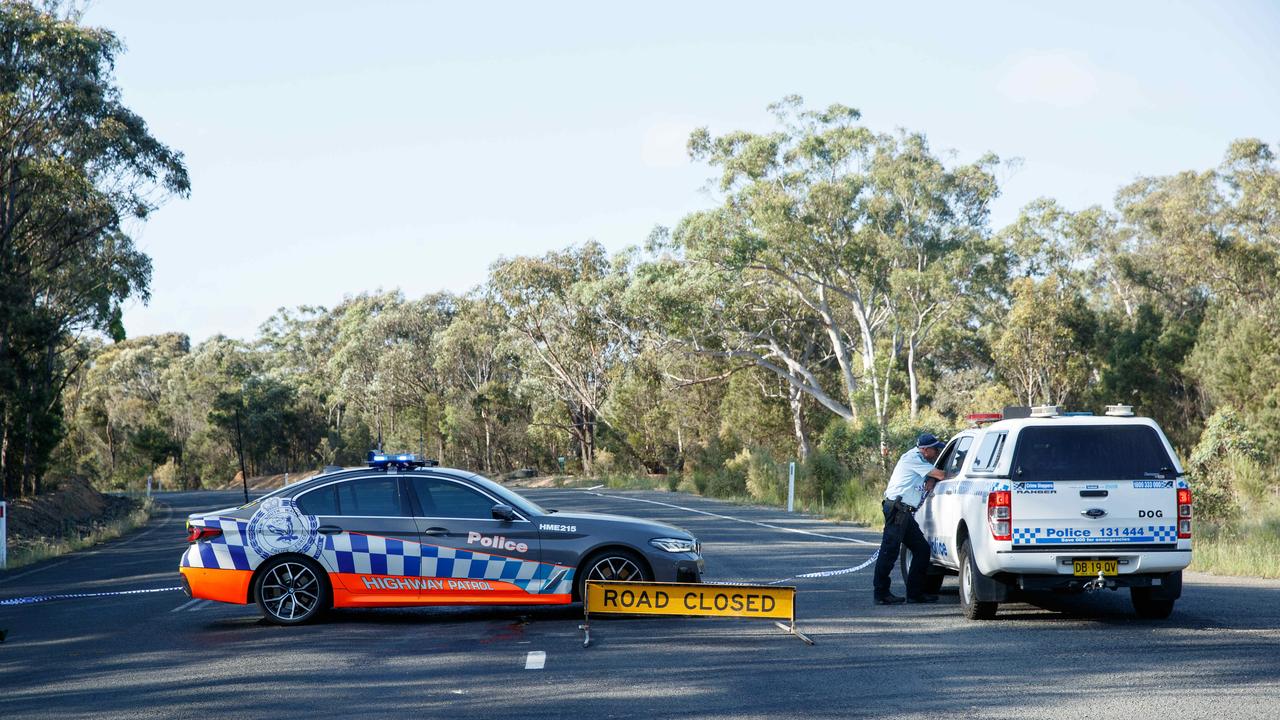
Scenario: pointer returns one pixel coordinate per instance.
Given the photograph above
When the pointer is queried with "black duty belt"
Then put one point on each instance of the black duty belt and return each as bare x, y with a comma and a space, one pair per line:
898, 501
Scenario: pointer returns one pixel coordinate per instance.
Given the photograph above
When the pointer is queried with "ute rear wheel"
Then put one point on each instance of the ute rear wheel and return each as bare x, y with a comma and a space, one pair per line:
292, 590
1149, 604
973, 608
613, 564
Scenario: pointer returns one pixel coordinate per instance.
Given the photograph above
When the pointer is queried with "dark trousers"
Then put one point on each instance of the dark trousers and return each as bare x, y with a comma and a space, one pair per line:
900, 528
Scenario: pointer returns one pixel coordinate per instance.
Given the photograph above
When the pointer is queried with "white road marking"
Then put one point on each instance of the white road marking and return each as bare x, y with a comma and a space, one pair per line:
535, 660
741, 520
186, 605
595, 487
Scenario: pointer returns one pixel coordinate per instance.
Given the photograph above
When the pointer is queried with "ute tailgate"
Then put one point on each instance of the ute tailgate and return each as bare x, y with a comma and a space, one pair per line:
1092, 487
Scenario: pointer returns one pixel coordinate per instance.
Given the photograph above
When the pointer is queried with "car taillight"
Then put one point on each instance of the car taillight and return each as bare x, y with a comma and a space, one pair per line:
196, 533
1184, 513
1000, 514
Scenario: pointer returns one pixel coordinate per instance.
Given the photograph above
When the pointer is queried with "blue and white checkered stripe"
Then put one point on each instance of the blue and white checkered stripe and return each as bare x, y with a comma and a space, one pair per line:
375, 555
228, 551
1040, 536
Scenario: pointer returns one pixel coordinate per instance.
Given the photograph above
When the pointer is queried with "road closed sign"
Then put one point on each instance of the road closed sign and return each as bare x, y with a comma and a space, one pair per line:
765, 602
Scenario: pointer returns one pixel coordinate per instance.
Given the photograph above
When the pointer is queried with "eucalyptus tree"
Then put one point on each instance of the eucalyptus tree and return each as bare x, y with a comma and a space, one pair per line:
566, 314
75, 166
842, 226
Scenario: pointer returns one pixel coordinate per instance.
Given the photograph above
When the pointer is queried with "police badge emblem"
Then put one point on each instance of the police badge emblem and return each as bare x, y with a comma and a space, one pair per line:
278, 527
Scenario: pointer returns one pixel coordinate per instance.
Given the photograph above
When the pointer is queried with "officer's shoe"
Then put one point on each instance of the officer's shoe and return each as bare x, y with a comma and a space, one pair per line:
889, 599
923, 599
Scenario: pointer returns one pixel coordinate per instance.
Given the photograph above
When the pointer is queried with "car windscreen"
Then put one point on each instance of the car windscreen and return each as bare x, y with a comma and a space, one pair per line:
1092, 452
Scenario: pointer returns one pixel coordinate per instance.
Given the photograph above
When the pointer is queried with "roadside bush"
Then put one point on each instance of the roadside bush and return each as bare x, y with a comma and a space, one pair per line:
765, 481
1225, 463
819, 479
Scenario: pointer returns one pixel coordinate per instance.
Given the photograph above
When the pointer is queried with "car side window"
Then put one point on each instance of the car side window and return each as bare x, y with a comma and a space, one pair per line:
989, 452
371, 497
960, 450
945, 457
323, 501
445, 499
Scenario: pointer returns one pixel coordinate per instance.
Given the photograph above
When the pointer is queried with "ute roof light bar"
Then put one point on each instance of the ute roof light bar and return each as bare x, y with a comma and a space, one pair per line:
398, 460
980, 419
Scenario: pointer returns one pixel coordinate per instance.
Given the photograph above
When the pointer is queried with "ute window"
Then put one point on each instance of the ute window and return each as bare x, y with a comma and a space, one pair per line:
959, 451
1098, 452
989, 452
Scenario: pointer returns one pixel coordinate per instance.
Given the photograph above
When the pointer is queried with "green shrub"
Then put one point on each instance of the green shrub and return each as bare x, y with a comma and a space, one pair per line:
1226, 463
820, 478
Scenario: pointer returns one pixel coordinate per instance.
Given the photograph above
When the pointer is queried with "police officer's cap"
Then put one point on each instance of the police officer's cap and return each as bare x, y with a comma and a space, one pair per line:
929, 440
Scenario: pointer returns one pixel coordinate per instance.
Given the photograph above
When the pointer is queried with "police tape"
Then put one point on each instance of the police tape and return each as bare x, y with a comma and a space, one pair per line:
765, 602
31, 600
843, 571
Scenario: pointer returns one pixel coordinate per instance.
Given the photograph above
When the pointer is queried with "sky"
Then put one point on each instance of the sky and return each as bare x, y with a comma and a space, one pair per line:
337, 148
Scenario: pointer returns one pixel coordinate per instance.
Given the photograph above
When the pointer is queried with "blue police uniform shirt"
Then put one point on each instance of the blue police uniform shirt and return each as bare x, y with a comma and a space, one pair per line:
908, 478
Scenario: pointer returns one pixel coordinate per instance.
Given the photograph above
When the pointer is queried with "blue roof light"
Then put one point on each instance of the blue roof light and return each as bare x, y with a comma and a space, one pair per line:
399, 460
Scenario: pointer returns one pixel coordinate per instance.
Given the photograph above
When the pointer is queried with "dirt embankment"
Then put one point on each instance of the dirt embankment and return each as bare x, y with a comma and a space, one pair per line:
267, 483
73, 507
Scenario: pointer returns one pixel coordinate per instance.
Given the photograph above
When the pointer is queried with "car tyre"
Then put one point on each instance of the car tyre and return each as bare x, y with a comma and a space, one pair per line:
611, 564
1149, 605
292, 590
972, 608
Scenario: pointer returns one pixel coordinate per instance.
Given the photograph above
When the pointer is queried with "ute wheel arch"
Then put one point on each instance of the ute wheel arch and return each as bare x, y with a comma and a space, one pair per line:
598, 553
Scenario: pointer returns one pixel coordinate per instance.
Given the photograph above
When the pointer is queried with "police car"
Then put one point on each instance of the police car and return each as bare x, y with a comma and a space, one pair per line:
402, 532
1060, 501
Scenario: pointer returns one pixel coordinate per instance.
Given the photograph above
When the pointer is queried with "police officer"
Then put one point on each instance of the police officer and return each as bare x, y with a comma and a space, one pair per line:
913, 477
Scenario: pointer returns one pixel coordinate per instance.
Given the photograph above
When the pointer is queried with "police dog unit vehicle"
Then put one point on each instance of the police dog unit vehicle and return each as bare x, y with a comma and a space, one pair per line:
402, 532
1060, 501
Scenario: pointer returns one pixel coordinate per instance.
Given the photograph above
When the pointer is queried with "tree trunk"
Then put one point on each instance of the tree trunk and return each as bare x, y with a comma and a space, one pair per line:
796, 399
913, 381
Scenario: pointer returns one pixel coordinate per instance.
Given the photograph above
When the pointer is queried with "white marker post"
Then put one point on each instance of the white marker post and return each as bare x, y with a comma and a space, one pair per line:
148, 486
4, 541
791, 488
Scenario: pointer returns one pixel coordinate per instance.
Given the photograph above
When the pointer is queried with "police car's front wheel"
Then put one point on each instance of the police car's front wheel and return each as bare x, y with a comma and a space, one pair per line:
614, 564
291, 590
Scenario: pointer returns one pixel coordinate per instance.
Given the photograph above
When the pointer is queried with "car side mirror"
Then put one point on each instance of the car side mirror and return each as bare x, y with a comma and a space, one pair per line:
503, 512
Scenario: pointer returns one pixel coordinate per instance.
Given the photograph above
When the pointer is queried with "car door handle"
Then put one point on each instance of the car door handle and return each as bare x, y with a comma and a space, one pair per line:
1093, 493
436, 531
328, 529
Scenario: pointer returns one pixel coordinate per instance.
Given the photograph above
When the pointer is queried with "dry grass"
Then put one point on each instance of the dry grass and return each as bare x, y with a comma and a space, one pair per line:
34, 551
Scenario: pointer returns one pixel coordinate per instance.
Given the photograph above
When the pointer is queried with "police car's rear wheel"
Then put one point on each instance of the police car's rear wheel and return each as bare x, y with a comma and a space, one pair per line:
616, 565
291, 591
1149, 605
973, 608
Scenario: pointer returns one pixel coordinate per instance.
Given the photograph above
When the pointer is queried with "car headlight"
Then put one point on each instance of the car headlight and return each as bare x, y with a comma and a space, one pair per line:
675, 545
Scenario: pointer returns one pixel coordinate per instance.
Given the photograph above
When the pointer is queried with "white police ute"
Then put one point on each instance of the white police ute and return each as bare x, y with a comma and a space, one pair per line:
1063, 502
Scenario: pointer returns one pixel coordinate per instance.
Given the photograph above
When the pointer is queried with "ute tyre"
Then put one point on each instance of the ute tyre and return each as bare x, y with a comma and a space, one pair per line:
612, 564
292, 590
1148, 605
932, 580
972, 608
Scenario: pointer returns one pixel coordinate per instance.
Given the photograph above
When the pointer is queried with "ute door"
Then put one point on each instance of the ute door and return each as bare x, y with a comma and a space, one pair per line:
1093, 487
469, 554
368, 526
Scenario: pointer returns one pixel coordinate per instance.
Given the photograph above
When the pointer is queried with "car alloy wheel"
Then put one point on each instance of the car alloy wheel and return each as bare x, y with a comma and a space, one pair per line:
290, 592
614, 567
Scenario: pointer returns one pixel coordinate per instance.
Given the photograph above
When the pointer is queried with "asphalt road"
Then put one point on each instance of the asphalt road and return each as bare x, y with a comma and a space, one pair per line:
157, 654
